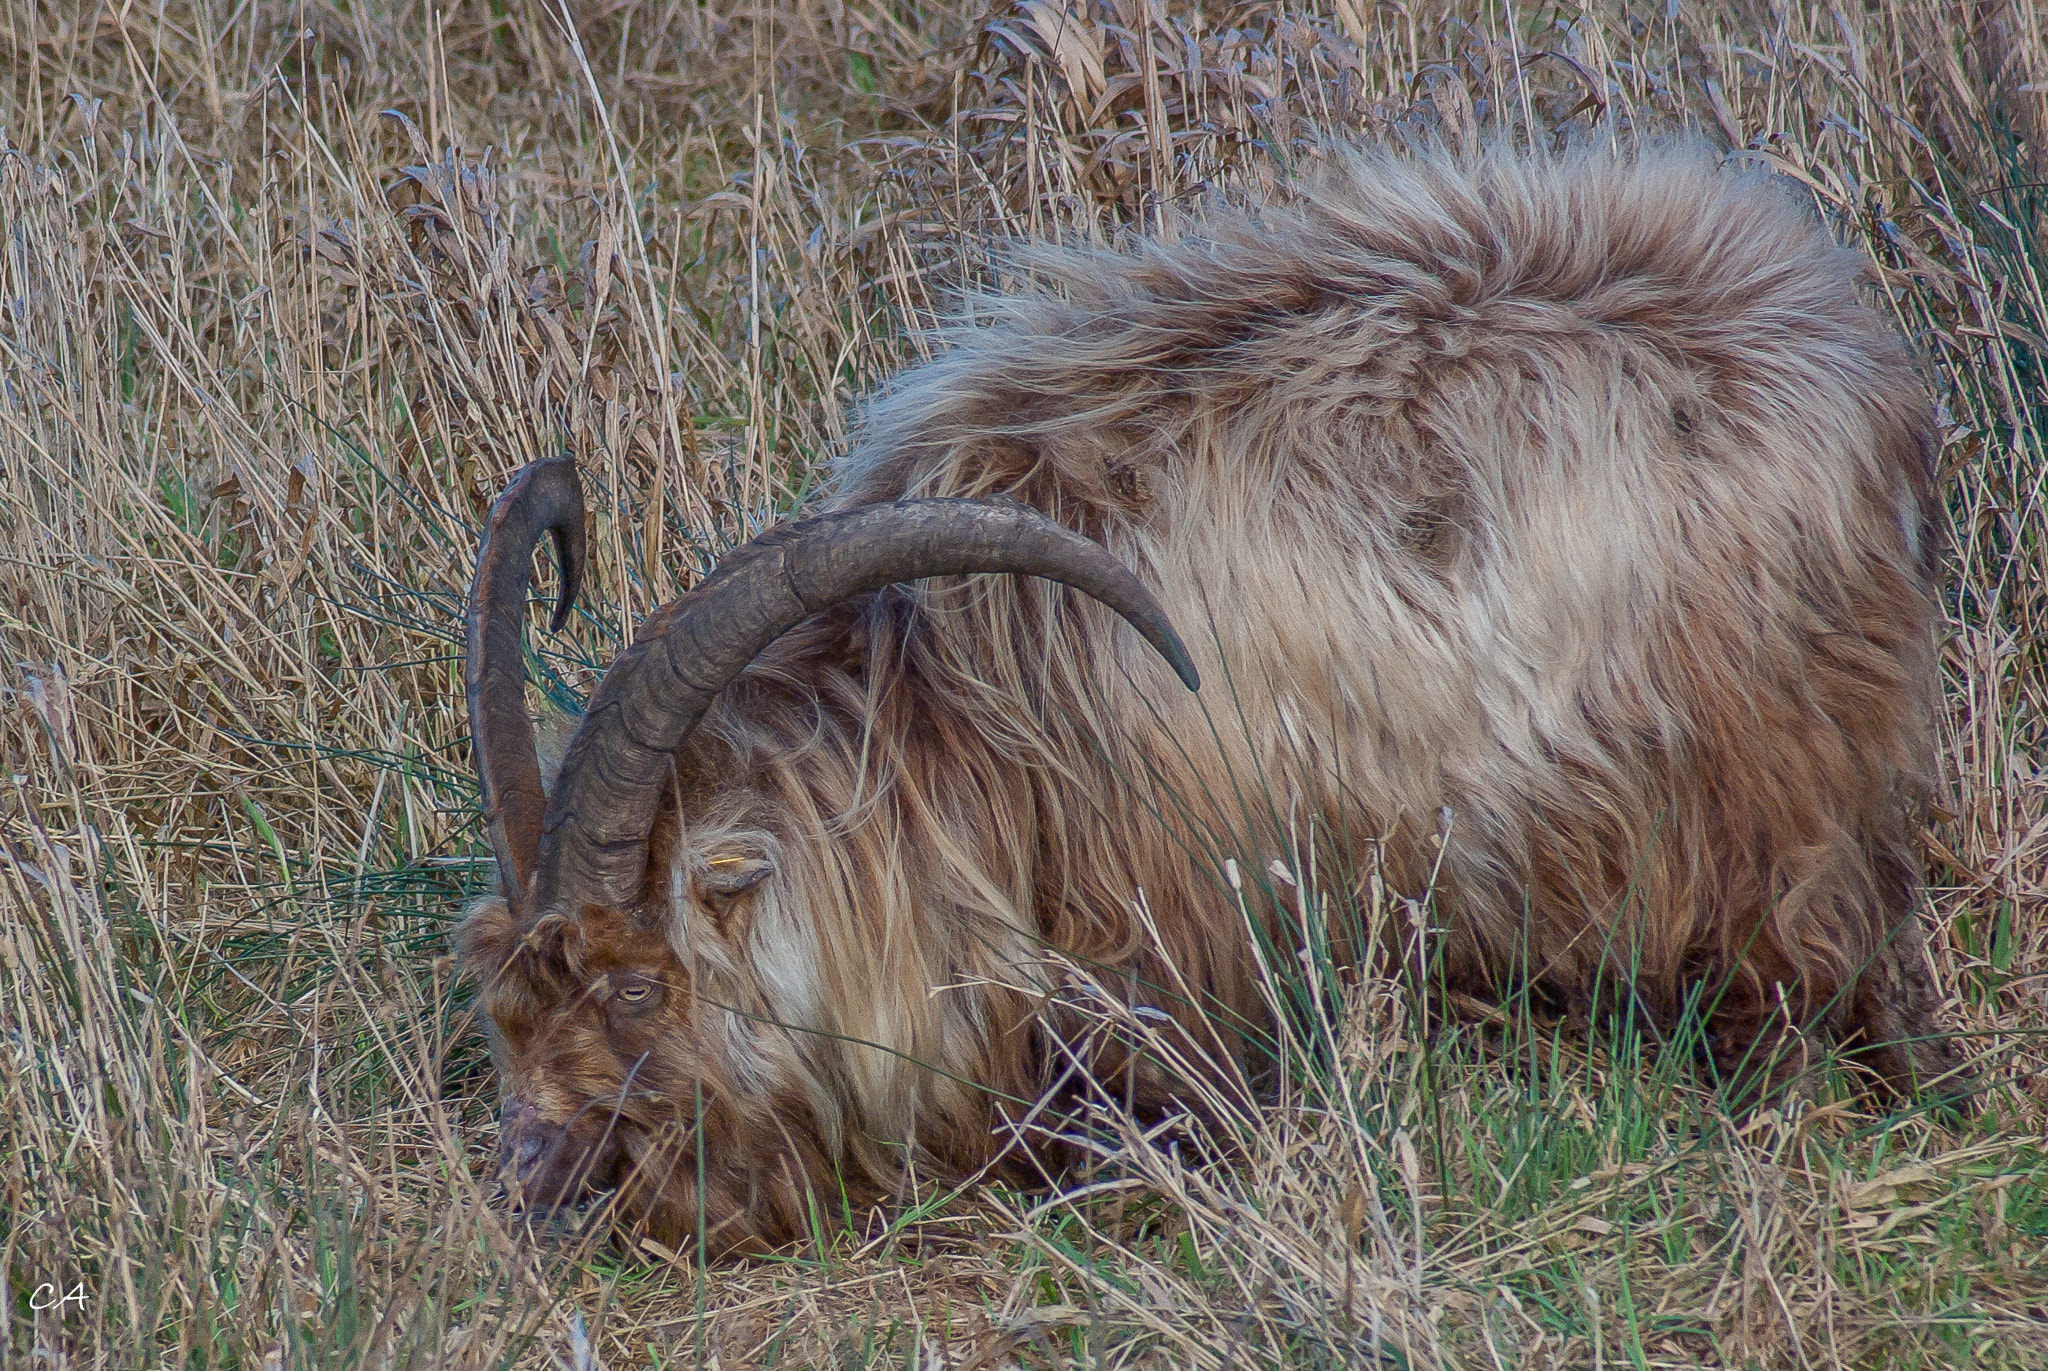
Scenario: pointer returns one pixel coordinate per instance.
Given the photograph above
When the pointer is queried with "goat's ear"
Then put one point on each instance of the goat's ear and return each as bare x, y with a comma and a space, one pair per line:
488, 944
723, 881
486, 938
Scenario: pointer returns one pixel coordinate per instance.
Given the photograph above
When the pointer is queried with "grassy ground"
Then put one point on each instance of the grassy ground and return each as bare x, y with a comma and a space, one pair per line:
287, 289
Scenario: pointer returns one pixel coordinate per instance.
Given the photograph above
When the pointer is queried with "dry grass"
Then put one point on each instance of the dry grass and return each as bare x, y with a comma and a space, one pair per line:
287, 289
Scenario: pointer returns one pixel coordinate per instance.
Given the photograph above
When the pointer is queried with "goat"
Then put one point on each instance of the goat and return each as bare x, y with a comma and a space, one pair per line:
1576, 501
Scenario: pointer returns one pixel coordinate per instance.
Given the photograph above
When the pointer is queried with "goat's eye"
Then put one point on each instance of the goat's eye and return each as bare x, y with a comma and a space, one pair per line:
636, 992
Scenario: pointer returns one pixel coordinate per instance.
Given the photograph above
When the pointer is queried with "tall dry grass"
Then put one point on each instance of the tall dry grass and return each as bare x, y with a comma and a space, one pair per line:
287, 289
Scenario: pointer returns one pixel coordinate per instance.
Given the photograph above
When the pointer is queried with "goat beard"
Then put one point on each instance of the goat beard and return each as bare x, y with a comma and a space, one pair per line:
714, 1184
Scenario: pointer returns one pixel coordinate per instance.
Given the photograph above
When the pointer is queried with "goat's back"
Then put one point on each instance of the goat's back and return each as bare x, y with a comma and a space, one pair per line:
1583, 499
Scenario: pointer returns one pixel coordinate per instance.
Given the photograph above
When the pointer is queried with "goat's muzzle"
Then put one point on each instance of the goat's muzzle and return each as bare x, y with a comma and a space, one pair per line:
545, 1165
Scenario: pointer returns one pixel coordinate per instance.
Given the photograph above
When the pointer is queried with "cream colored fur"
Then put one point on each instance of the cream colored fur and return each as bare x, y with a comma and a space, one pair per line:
1573, 510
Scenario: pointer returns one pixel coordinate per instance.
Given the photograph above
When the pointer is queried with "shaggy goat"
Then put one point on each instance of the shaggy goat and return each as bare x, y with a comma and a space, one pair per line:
1559, 530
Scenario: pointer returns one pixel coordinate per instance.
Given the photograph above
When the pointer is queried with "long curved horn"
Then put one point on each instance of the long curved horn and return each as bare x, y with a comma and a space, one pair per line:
594, 844
545, 497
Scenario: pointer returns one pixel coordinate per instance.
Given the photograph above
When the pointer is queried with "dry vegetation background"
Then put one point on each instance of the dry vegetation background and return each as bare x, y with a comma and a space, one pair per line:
287, 289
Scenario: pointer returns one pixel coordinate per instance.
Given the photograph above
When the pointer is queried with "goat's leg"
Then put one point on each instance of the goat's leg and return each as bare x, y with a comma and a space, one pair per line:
1893, 1020
1760, 1044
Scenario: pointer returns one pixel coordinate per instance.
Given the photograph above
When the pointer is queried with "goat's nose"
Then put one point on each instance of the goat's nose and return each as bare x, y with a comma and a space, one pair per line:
541, 1164
524, 1140
526, 1156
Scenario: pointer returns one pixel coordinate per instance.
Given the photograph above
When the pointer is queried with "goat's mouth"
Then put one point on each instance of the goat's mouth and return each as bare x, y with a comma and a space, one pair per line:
640, 1175
545, 1167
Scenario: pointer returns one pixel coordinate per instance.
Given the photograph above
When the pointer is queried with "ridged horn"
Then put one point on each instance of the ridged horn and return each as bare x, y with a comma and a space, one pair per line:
544, 498
594, 843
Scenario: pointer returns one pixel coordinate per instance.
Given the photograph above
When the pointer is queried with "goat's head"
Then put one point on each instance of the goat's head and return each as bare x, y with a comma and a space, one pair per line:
611, 1069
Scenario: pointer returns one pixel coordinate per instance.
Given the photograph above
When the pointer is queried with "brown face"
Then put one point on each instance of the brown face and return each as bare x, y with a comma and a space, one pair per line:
591, 1028
609, 1082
